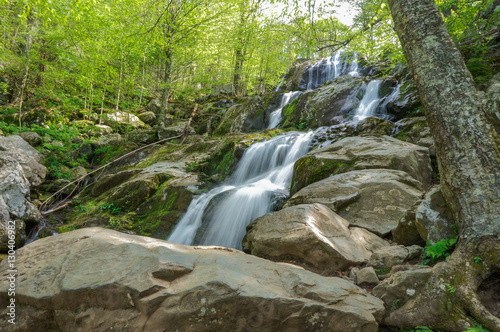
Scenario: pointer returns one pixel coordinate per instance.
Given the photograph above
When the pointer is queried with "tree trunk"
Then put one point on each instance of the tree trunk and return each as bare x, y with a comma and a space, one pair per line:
469, 165
166, 85
238, 65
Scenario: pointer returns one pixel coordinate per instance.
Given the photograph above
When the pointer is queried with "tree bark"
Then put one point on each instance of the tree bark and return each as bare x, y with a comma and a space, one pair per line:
468, 153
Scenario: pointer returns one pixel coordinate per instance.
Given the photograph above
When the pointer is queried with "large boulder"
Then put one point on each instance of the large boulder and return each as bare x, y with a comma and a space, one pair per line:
154, 106
99, 280
309, 234
148, 118
31, 137
174, 131
357, 153
107, 140
322, 107
15, 190
433, 219
123, 120
374, 199
245, 117
16, 143
15, 205
293, 79
396, 290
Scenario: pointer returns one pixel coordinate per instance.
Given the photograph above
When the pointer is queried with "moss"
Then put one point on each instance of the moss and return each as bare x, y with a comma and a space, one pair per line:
158, 215
289, 113
309, 170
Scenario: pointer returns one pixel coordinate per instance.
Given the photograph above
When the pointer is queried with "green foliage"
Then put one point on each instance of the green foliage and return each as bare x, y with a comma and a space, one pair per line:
450, 288
478, 260
395, 304
437, 251
111, 208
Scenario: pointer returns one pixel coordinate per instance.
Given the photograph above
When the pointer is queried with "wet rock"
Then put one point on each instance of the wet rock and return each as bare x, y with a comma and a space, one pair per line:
99, 280
32, 138
406, 232
293, 78
367, 277
373, 199
371, 126
434, 220
158, 215
357, 153
407, 102
245, 117
318, 107
387, 257
310, 234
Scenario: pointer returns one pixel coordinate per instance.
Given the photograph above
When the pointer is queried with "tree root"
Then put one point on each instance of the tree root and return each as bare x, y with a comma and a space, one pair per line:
448, 300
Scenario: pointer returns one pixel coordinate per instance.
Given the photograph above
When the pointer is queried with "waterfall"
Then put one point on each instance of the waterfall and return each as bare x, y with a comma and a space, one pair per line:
370, 101
328, 69
275, 116
220, 216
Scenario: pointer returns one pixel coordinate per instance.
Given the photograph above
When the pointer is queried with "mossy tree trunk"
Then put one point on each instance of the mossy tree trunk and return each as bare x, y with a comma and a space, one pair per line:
469, 166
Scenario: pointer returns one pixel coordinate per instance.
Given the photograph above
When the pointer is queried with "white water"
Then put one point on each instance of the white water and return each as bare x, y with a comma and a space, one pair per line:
275, 116
330, 68
264, 171
370, 101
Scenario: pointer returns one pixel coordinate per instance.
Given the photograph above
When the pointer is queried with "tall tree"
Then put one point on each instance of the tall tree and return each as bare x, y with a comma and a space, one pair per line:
468, 153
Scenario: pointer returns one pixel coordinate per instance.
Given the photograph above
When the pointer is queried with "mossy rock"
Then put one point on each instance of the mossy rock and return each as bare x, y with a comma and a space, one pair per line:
323, 106
245, 117
158, 215
357, 153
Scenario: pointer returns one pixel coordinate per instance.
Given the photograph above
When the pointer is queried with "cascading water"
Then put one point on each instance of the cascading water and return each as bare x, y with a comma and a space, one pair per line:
370, 101
263, 173
330, 68
275, 116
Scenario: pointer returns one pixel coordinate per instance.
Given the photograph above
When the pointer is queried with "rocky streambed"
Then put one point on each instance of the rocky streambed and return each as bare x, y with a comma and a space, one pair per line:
337, 247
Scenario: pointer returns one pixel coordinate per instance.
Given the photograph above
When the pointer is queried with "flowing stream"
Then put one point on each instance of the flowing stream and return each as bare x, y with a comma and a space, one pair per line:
262, 177
370, 101
330, 68
275, 116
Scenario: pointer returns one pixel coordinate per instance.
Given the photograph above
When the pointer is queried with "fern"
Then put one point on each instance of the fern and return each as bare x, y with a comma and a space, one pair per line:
450, 288
438, 250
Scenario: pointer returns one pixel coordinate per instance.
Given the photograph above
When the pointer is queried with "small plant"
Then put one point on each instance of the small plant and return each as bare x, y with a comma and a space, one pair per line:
450, 288
478, 260
113, 209
438, 250
115, 222
395, 304
81, 208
